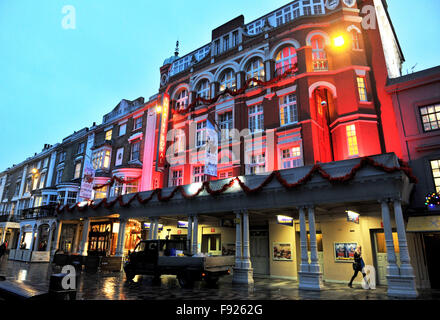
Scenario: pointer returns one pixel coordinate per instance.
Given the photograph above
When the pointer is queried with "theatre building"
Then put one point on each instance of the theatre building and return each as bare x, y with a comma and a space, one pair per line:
308, 159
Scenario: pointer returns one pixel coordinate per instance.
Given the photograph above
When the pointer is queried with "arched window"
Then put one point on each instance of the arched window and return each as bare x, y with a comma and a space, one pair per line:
285, 60
203, 89
255, 69
355, 40
227, 80
182, 99
319, 55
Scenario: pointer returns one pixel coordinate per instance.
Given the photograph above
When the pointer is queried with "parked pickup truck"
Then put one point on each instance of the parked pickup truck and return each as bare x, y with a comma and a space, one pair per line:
157, 257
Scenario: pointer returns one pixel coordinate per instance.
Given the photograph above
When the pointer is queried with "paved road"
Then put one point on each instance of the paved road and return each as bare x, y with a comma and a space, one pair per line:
113, 286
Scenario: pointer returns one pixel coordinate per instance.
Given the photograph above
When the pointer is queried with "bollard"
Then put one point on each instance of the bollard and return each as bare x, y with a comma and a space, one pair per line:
62, 290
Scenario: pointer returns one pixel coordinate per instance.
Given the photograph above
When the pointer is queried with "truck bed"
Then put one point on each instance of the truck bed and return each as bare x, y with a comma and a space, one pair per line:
205, 263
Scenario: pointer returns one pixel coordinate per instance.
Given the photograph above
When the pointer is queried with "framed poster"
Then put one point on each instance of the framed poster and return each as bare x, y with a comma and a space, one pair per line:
282, 251
344, 251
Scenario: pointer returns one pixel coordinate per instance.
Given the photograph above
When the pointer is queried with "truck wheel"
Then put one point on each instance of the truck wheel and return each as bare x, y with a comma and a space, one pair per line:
185, 280
211, 281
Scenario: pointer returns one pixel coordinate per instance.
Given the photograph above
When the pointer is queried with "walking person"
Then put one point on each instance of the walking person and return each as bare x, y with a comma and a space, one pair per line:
2, 249
358, 265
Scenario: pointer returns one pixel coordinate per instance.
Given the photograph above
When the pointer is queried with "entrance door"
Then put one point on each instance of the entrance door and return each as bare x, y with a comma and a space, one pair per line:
211, 244
381, 255
100, 238
319, 249
432, 249
259, 251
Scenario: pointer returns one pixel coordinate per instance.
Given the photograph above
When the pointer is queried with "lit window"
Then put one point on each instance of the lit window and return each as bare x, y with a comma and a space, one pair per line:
137, 123
225, 174
355, 40
133, 187
101, 193
319, 55
135, 150
227, 80
291, 158
42, 180
225, 125
177, 178
71, 197
288, 110
199, 174
182, 100
255, 69
258, 164
203, 90
108, 135
256, 118
430, 117
77, 174
435, 166
35, 183
179, 141
122, 129
362, 89
352, 140
285, 60
101, 159
201, 134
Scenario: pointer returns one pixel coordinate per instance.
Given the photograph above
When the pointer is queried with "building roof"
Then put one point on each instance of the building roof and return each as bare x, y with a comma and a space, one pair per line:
413, 79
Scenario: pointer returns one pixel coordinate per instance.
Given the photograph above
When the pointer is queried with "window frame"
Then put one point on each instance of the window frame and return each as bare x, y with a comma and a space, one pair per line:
435, 179
435, 113
254, 119
352, 143
288, 106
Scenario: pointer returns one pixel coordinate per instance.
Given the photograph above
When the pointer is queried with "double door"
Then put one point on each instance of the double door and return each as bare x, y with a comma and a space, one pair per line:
381, 255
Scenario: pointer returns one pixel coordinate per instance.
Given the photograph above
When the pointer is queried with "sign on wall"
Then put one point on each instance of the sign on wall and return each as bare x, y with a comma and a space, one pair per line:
182, 224
211, 151
352, 216
344, 251
284, 220
282, 251
87, 181
163, 129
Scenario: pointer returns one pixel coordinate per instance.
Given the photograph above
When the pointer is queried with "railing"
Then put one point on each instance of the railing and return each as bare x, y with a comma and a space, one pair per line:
320, 65
280, 70
38, 212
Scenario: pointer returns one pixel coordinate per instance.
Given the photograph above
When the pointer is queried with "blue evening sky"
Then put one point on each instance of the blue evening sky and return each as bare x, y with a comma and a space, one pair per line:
54, 81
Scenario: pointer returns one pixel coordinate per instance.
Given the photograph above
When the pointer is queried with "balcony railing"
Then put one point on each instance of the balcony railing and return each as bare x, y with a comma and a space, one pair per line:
281, 70
38, 212
320, 65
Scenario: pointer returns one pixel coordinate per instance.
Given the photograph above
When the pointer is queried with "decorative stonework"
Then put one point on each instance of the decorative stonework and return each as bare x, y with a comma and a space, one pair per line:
349, 3
331, 4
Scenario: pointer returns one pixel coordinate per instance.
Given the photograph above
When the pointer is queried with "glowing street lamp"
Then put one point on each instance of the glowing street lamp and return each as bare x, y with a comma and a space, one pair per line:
34, 171
339, 41
158, 109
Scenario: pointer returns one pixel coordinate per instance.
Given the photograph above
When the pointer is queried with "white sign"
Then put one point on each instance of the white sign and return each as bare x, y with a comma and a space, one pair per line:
211, 153
87, 181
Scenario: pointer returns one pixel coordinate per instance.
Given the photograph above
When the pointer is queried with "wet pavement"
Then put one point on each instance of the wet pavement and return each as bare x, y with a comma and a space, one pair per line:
113, 286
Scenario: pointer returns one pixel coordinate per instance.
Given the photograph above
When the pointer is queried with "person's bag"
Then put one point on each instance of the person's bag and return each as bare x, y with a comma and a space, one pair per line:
354, 265
362, 263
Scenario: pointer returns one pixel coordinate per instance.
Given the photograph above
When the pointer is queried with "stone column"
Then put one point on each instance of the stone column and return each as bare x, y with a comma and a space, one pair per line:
392, 268
76, 243
156, 229
304, 266
85, 237
314, 263
3, 235
150, 231
121, 238
188, 236
246, 261
19, 239
57, 236
34, 233
49, 240
238, 240
195, 246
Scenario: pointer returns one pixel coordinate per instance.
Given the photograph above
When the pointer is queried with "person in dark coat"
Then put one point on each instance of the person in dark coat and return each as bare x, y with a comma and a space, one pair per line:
357, 265
2, 249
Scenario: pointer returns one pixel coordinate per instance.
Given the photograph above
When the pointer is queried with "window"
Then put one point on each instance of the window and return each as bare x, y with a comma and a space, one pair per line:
62, 156
59, 176
42, 180
101, 159
179, 141
77, 173
61, 196
234, 38
225, 43
177, 178
362, 89
199, 174
307, 7
256, 118
227, 80
288, 109
430, 117
17, 188
137, 123
101, 193
71, 197
122, 129
225, 125
355, 40
182, 100
216, 47
119, 156
45, 163
35, 182
108, 135
52, 199
28, 185
201, 134
255, 69
258, 164
132, 187
352, 140
225, 174
135, 151
291, 158
203, 89
319, 55
285, 60
81, 147
435, 166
